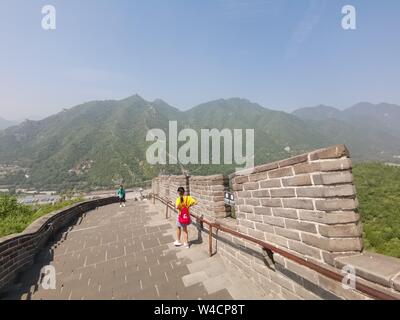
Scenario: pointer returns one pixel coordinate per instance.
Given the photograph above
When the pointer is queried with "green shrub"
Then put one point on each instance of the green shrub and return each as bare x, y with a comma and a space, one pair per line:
15, 217
378, 191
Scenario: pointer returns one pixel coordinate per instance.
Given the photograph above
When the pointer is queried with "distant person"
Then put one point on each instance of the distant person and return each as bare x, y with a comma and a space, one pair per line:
183, 205
121, 195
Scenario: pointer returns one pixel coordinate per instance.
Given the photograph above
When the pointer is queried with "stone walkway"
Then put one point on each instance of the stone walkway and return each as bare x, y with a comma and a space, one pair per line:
127, 253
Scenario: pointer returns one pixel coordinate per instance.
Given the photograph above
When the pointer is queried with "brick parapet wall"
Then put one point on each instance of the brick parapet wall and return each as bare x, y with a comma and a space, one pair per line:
17, 252
307, 204
208, 191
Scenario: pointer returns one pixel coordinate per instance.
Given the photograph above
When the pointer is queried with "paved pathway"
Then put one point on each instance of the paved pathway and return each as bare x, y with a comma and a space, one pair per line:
127, 253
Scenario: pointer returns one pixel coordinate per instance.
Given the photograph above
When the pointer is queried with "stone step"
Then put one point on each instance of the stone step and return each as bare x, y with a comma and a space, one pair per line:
194, 278
217, 283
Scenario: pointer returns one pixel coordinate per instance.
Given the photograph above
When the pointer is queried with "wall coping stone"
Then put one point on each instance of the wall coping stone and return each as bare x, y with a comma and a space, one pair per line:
39, 223
338, 151
374, 267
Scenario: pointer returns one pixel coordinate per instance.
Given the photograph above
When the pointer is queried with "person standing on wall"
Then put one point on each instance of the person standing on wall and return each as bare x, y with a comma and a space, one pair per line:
183, 204
122, 196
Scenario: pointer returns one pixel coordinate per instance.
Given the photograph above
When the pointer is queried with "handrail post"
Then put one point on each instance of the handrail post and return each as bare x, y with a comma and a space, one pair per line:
210, 240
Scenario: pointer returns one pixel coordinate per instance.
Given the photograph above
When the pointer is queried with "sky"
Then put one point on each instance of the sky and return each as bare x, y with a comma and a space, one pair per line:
283, 54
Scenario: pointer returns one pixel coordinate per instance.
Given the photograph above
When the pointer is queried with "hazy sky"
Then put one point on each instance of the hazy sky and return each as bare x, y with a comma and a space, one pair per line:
282, 54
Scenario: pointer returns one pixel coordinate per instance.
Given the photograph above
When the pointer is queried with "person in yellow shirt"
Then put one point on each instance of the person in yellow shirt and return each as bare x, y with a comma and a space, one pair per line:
183, 204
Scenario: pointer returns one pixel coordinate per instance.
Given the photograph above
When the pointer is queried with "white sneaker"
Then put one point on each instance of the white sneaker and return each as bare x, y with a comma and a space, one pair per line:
186, 245
120, 205
177, 244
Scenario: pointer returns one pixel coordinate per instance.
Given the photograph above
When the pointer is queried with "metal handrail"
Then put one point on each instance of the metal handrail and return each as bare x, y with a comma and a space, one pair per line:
372, 292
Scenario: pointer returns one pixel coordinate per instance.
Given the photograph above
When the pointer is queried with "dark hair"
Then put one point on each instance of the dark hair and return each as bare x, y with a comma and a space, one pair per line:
181, 192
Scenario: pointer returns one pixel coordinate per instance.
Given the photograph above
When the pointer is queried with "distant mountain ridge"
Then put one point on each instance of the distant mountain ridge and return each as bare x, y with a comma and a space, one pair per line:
4, 124
99, 143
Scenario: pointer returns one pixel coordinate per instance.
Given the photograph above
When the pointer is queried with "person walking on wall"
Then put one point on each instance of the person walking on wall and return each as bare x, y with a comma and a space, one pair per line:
183, 205
121, 195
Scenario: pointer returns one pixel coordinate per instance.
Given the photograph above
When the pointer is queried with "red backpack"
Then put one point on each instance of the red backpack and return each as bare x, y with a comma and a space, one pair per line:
184, 216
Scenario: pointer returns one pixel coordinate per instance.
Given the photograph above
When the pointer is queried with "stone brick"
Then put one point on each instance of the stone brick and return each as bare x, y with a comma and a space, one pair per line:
310, 192
257, 234
265, 227
301, 180
275, 239
304, 249
261, 194
330, 257
302, 271
306, 168
263, 211
280, 222
294, 160
289, 234
241, 179
251, 186
255, 217
282, 281
241, 215
285, 213
247, 224
280, 259
301, 226
243, 194
335, 244
340, 231
253, 202
335, 165
333, 178
316, 241
337, 289
274, 183
237, 187
272, 203
298, 204
282, 193
246, 209
279, 173
336, 204
330, 153
258, 177
305, 294
329, 218
326, 192
266, 167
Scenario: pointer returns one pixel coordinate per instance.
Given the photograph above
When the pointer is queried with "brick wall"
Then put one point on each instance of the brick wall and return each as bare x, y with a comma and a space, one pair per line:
306, 204
17, 252
208, 191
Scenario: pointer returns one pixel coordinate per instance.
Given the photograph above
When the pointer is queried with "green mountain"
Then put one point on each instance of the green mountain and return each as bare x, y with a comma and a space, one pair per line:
101, 143
4, 124
370, 131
